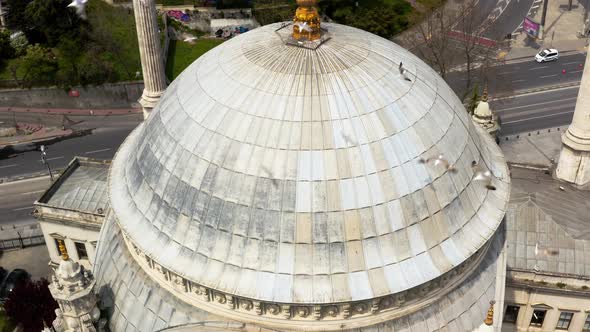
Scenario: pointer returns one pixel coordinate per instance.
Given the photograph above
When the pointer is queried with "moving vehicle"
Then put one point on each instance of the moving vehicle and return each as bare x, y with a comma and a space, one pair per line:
548, 54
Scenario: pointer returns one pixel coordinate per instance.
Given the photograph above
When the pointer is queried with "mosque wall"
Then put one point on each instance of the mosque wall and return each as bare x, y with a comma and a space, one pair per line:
119, 95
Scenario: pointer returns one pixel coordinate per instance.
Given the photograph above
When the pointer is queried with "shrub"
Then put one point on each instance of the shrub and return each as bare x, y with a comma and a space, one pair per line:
561, 285
19, 43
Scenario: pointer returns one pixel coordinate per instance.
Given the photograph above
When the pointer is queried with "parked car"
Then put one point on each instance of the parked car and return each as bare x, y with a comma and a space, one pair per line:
548, 54
14, 278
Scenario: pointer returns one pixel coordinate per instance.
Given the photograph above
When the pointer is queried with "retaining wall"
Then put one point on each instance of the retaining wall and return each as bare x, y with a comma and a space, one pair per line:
117, 95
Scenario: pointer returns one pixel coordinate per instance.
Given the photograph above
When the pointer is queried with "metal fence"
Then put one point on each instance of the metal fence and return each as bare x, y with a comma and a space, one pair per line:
22, 242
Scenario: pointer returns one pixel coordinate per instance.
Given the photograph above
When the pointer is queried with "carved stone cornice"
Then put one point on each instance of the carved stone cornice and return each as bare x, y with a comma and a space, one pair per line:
319, 317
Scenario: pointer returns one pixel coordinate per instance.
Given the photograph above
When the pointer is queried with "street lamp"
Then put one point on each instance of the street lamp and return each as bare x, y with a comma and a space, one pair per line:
43, 154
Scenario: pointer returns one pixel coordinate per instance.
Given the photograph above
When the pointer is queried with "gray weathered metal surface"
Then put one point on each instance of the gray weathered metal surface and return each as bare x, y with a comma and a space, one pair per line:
292, 175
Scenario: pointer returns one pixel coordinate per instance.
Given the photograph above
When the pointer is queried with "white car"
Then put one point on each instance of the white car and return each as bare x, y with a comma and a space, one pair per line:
548, 54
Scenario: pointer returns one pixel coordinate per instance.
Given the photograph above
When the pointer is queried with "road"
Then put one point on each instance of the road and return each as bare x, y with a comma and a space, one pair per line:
534, 111
511, 78
16, 201
102, 143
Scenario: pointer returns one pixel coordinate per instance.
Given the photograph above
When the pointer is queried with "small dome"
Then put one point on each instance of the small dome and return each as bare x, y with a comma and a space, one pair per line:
483, 111
287, 174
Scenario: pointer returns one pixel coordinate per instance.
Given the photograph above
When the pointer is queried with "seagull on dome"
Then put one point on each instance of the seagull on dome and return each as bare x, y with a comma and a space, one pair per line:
439, 160
404, 72
80, 6
303, 26
482, 175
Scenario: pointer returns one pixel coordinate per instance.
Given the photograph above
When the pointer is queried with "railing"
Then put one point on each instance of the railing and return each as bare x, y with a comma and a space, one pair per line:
12, 237
22, 242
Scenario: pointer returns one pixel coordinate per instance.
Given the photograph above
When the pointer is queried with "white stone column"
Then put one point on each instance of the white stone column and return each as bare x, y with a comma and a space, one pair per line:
574, 160
152, 64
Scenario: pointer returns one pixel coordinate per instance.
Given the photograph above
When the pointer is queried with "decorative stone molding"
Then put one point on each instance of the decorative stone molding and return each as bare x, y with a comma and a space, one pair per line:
297, 315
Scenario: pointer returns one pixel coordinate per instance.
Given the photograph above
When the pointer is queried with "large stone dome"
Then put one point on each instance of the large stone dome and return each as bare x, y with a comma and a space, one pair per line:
285, 175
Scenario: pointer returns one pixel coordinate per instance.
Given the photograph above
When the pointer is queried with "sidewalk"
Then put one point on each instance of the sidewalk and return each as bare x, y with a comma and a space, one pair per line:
72, 111
42, 134
561, 32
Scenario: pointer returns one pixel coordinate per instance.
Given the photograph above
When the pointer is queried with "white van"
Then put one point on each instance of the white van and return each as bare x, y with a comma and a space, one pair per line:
549, 54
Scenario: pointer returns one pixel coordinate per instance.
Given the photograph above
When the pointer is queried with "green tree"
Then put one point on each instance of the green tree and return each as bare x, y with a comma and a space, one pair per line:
38, 67
54, 20
6, 50
30, 303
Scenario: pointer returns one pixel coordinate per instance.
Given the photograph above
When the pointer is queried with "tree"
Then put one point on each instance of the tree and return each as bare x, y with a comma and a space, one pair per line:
37, 65
30, 303
6, 50
453, 36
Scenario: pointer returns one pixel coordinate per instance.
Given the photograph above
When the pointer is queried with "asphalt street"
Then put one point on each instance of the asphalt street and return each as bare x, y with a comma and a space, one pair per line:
517, 77
101, 143
16, 201
507, 15
534, 111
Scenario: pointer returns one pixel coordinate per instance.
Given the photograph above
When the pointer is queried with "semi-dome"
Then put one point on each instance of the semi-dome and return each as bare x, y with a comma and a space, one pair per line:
289, 175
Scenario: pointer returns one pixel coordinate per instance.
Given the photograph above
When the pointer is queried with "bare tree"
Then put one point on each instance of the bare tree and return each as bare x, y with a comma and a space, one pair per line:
451, 37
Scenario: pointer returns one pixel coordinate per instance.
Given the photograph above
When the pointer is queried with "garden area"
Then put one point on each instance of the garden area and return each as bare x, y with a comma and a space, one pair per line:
50, 45
181, 54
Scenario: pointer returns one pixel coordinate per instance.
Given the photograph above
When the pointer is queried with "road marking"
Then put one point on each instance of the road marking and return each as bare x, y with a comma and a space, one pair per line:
526, 94
548, 76
33, 192
506, 72
97, 151
518, 81
537, 68
571, 63
23, 208
537, 117
6, 166
54, 158
577, 71
536, 104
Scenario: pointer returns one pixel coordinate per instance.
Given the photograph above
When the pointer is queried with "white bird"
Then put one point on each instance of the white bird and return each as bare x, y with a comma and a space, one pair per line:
545, 251
349, 140
404, 72
303, 26
482, 175
269, 173
439, 160
190, 40
80, 6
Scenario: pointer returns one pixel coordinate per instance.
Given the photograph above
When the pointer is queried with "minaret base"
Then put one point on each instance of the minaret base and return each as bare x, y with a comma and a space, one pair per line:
574, 166
148, 101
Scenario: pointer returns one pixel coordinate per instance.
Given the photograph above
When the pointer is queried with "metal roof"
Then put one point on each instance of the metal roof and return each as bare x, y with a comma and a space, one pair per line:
553, 219
287, 174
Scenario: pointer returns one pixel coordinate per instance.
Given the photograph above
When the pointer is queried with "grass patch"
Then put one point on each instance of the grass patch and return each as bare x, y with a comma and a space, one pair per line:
114, 28
181, 54
5, 324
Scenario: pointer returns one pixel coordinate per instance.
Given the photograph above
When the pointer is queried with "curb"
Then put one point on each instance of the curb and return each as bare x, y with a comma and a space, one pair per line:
535, 167
73, 111
56, 172
530, 57
74, 133
539, 89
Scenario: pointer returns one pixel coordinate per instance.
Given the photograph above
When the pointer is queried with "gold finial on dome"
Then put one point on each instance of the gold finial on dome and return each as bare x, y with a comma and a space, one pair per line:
306, 24
490, 314
62, 250
485, 93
